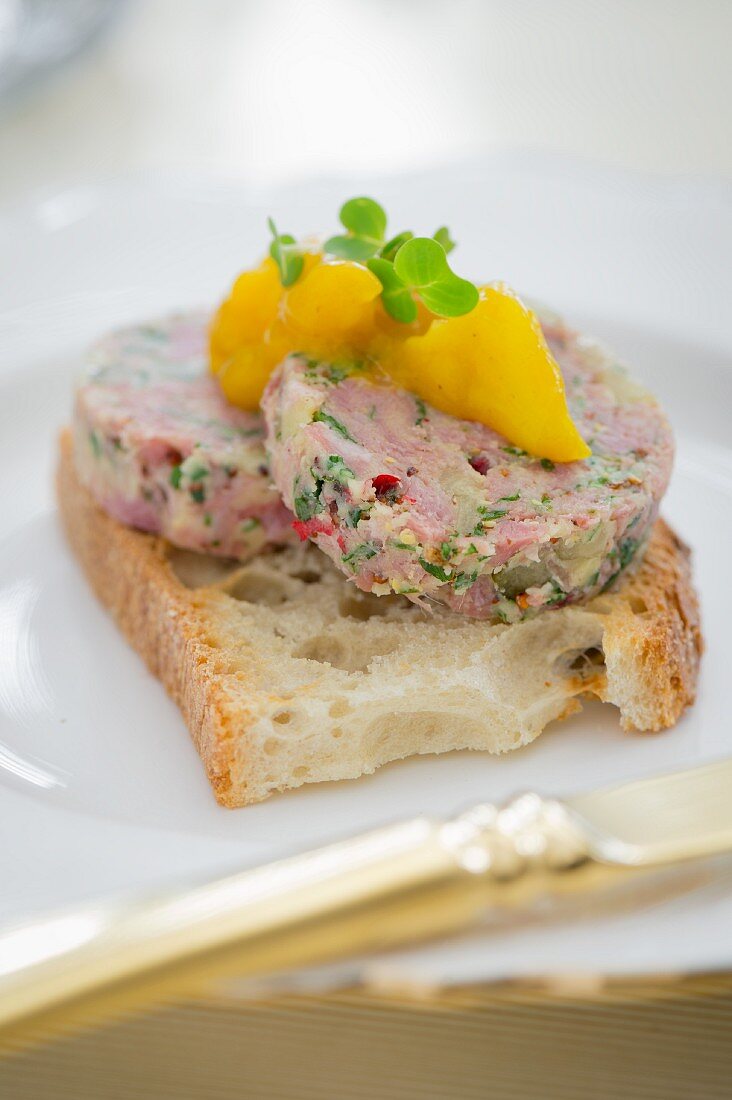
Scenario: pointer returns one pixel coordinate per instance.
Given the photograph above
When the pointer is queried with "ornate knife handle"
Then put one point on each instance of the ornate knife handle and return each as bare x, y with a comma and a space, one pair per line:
527, 837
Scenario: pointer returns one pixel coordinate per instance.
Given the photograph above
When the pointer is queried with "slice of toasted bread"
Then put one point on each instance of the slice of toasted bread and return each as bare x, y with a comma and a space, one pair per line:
286, 674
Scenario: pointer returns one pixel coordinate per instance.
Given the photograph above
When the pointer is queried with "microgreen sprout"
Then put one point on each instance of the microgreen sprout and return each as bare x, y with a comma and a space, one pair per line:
390, 249
442, 236
286, 253
365, 221
409, 268
420, 270
395, 294
422, 265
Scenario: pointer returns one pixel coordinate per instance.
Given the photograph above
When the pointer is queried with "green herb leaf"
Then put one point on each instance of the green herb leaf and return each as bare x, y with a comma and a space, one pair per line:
421, 410
365, 221
336, 470
364, 217
628, 548
351, 248
286, 253
559, 595
336, 373
355, 515
450, 300
464, 580
391, 247
362, 552
422, 264
396, 295
325, 418
307, 503
434, 570
489, 514
547, 464
442, 236
175, 475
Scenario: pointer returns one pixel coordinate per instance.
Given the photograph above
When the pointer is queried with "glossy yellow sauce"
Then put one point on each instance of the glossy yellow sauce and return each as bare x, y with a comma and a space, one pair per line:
491, 365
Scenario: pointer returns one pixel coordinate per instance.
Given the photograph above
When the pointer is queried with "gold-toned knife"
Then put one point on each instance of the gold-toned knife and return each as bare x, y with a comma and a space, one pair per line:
398, 885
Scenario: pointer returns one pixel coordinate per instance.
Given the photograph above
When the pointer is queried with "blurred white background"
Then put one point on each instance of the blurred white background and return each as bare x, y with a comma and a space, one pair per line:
274, 90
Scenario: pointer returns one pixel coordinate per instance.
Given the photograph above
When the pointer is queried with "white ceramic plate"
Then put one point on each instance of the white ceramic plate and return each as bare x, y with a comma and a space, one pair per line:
100, 787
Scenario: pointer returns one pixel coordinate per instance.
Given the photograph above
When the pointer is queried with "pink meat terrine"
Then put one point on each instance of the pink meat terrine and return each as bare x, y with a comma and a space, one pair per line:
161, 450
406, 499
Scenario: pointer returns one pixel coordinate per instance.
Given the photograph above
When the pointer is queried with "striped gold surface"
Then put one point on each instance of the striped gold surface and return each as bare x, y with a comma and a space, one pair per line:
658, 1039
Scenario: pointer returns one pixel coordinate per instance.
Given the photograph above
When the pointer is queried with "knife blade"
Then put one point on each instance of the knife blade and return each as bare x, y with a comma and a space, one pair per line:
663, 819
